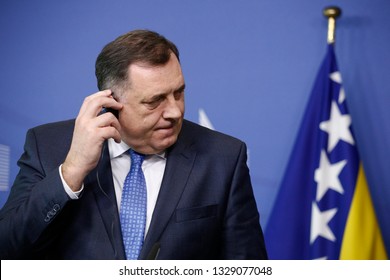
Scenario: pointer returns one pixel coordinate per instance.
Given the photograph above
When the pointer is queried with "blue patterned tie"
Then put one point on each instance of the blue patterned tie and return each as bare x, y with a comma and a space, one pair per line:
133, 207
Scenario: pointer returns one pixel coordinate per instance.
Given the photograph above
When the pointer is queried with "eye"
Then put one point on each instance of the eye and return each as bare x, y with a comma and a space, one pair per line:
179, 93
153, 103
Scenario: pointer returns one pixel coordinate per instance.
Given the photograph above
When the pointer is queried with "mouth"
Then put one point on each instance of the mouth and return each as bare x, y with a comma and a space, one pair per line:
168, 130
167, 126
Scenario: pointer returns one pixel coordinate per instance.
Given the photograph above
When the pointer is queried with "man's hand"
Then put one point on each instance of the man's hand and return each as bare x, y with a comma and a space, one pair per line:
90, 132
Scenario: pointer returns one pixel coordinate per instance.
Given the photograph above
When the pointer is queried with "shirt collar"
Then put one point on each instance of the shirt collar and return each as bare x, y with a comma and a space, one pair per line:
117, 149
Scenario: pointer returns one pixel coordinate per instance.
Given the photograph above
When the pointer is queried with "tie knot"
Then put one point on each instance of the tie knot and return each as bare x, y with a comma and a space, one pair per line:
136, 158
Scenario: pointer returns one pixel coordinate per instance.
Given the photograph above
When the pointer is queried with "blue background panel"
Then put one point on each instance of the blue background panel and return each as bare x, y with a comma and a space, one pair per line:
250, 65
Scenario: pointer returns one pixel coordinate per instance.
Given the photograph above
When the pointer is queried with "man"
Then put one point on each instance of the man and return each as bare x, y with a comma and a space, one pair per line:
67, 200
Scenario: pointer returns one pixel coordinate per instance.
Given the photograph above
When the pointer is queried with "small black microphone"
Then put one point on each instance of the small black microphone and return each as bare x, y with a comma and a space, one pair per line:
153, 254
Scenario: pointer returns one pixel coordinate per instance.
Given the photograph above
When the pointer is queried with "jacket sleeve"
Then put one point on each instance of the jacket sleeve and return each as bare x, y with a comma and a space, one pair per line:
36, 198
243, 236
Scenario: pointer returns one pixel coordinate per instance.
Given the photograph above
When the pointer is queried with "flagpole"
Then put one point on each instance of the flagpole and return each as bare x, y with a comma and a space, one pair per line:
332, 13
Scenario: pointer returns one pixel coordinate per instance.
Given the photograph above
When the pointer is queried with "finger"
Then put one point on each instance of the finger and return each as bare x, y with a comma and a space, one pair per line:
93, 104
107, 119
108, 132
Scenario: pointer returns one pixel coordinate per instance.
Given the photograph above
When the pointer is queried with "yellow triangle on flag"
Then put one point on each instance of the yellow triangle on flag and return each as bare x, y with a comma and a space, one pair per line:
362, 238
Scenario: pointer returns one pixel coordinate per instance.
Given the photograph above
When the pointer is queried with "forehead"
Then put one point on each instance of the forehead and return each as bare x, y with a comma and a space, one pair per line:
142, 76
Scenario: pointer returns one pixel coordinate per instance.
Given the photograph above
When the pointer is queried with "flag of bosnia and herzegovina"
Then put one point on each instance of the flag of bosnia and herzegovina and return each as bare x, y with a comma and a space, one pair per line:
324, 209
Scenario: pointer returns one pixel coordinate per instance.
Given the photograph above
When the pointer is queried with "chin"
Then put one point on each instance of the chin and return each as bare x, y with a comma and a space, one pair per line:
165, 143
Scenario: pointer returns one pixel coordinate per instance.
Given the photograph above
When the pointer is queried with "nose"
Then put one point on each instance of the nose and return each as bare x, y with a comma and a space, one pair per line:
174, 108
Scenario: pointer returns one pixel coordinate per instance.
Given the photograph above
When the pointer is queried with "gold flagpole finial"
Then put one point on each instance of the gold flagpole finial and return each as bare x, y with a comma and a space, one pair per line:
332, 13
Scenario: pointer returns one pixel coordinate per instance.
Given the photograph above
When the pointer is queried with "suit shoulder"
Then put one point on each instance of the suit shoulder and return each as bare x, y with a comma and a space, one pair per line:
203, 134
55, 133
66, 124
54, 127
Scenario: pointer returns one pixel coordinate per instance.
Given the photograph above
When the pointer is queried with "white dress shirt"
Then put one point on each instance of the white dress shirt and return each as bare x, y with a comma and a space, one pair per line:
153, 167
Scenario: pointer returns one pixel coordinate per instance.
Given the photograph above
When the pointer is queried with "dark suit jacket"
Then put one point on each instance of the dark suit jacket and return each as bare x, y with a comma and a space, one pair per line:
205, 208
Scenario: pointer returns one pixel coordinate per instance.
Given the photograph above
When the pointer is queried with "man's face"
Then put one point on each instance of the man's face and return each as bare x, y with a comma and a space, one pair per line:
153, 106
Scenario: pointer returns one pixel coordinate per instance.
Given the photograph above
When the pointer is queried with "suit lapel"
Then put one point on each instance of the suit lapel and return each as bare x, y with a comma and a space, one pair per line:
104, 192
172, 187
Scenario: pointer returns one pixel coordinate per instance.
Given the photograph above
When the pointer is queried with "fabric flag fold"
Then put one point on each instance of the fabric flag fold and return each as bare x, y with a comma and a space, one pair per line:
323, 209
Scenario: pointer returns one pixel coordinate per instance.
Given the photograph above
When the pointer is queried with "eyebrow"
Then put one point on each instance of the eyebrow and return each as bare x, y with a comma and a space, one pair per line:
181, 88
156, 96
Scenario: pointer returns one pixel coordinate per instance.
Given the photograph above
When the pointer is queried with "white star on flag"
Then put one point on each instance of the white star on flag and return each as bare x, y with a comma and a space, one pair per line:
327, 176
337, 127
319, 223
336, 77
341, 95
